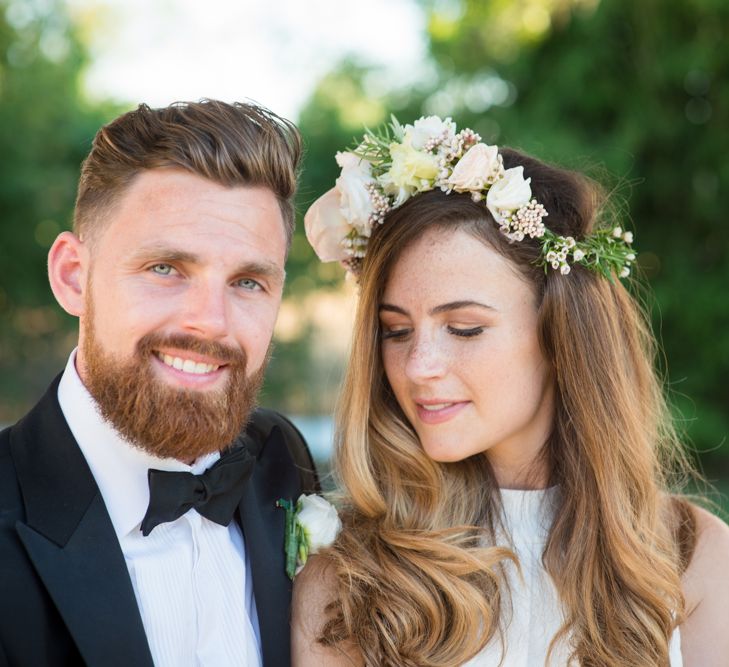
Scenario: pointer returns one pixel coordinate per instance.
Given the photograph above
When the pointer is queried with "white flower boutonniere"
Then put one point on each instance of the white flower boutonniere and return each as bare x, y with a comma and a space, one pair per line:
312, 524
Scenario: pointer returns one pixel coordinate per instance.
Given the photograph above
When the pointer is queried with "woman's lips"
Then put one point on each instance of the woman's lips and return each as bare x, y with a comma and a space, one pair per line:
437, 412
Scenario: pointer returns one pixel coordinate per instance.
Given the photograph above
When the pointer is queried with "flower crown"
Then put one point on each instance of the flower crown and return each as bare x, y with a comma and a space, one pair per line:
397, 162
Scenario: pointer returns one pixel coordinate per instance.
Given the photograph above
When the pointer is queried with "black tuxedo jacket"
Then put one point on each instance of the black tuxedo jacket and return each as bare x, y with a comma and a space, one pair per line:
65, 593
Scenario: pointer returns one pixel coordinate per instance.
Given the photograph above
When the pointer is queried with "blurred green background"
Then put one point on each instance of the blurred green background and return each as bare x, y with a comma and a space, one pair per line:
635, 90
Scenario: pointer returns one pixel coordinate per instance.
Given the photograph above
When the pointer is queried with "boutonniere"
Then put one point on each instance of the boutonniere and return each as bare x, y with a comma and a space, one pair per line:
311, 524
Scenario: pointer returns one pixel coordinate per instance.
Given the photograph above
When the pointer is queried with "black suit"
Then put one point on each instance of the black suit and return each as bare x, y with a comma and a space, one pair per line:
65, 593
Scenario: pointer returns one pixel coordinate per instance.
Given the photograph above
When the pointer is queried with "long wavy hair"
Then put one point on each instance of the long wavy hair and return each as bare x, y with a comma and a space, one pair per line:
416, 585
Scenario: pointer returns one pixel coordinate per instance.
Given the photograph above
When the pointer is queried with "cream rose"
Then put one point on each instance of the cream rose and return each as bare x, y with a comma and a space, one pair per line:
475, 169
427, 128
319, 520
508, 193
411, 171
355, 203
326, 227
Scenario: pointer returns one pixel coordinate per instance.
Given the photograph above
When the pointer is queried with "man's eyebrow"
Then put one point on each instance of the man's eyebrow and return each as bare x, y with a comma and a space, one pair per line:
160, 252
442, 308
166, 254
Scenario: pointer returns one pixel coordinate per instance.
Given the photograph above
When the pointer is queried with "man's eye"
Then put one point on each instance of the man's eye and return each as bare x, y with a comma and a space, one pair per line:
249, 284
162, 269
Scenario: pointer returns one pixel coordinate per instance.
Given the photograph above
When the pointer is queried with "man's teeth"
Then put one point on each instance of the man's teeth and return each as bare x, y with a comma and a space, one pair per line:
436, 406
188, 365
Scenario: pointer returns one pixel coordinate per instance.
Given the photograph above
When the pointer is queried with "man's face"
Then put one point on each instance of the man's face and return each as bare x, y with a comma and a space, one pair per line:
182, 288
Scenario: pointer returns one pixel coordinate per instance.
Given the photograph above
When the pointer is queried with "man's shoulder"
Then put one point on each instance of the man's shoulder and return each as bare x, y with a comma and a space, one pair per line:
11, 503
261, 425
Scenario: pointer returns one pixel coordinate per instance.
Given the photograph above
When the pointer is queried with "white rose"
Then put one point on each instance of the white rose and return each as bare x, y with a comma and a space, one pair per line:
428, 128
509, 193
326, 227
320, 521
475, 168
355, 201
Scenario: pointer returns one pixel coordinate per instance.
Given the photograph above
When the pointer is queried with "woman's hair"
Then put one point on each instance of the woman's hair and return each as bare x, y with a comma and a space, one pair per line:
416, 584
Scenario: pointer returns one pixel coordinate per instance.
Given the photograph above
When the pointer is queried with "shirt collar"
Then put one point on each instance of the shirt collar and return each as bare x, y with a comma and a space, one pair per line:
119, 468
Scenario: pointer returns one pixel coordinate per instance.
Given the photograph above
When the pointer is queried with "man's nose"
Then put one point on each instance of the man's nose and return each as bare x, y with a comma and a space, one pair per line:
206, 310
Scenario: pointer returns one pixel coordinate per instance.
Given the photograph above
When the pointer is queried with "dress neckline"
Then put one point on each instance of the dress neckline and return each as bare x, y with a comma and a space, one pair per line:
528, 514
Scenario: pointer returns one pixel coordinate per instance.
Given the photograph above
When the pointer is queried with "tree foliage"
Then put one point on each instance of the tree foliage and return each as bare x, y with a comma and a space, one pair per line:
45, 131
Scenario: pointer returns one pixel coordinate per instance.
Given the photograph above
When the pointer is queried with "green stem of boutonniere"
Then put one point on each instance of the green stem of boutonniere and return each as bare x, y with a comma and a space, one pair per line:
292, 536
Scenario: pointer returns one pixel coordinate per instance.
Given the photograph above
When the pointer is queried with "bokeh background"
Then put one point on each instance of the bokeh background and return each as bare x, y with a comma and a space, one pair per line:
635, 92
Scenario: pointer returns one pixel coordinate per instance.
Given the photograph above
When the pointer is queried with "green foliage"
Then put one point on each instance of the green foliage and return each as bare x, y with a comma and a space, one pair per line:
45, 131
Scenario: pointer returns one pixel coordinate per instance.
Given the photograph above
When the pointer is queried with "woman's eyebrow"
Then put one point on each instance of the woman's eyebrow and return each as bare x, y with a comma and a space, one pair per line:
455, 305
442, 308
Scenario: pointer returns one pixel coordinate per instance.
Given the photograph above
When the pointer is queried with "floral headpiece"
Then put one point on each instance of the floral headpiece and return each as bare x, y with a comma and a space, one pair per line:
389, 166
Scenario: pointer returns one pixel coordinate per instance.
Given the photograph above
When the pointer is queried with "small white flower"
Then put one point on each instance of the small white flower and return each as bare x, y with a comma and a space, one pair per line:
630, 257
564, 269
551, 256
510, 192
570, 242
326, 227
628, 237
475, 169
555, 264
319, 520
624, 272
617, 232
578, 255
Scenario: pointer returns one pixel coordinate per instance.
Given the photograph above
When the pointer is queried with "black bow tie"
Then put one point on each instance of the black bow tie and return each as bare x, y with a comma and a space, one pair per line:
214, 494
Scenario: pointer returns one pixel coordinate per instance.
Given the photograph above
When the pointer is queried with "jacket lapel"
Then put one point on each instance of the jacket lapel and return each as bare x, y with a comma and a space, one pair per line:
71, 542
274, 477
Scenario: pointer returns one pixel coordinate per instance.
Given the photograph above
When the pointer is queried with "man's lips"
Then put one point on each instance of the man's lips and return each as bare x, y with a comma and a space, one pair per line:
437, 411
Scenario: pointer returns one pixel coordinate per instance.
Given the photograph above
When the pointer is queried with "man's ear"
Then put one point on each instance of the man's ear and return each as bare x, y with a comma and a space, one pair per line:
67, 272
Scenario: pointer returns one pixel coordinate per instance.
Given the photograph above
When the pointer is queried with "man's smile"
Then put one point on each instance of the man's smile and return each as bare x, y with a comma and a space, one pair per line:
187, 365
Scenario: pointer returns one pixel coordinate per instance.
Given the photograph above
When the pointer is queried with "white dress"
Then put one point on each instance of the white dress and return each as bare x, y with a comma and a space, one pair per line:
534, 615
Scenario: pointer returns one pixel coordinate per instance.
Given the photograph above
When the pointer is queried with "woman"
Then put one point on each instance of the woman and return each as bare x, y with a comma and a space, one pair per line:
503, 445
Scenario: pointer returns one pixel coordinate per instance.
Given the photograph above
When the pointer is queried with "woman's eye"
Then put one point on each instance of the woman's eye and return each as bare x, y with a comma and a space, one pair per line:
465, 333
162, 269
249, 284
394, 334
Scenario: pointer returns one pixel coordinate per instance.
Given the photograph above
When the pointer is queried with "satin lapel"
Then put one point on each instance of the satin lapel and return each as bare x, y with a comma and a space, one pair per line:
70, 540
273, 477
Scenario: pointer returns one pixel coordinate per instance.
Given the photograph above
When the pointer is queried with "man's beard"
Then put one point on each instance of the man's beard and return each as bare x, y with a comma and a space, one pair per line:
163, 420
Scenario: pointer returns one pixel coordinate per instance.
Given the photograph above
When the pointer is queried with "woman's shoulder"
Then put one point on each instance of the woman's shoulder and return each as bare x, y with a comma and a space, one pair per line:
315, 589
706, 588
710, 556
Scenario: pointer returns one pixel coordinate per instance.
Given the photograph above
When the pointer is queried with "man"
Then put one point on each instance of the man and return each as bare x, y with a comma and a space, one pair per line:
125, 538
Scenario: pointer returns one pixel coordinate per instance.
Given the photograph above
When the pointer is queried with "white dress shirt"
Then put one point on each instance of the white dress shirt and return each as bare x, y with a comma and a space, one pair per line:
191, 577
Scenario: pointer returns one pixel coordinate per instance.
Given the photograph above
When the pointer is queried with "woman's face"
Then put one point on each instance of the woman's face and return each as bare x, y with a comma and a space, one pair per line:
460, 350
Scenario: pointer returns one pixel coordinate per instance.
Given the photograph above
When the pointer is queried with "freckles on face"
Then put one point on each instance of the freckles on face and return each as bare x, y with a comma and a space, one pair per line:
461, 352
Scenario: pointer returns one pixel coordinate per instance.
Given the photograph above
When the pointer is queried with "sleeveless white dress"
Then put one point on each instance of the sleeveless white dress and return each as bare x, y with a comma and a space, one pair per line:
534, 615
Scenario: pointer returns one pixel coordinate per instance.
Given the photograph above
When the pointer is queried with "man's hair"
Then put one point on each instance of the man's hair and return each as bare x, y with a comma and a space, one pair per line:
231, 144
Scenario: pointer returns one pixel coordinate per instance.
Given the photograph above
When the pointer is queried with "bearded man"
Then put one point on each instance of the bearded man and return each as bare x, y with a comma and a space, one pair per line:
138, 519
